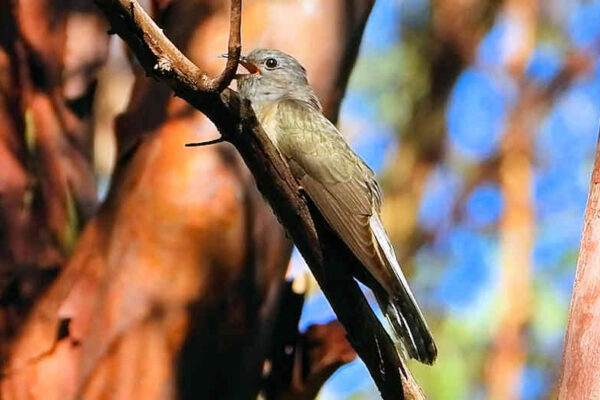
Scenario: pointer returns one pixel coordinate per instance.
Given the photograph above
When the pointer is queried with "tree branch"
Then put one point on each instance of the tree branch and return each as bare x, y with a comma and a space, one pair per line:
160, 57
234, 48
327, 256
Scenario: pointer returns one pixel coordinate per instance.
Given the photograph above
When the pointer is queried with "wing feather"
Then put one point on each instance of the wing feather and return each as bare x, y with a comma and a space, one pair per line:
354, 229
341, 185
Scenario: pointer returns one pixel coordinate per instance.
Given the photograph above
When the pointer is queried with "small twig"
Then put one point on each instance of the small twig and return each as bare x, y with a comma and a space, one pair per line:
234, 49
207, 143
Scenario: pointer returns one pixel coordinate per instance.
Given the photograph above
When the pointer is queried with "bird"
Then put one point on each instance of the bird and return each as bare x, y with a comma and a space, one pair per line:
340, 184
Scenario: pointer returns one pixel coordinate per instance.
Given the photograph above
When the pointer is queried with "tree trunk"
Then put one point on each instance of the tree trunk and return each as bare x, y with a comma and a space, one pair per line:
581, 356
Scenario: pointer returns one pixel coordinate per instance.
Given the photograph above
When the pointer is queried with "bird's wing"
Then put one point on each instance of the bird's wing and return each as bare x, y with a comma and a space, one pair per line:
341, 185
344, 189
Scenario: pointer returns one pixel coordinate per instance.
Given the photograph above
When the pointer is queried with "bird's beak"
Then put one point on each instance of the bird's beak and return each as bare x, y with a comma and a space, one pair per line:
252, 69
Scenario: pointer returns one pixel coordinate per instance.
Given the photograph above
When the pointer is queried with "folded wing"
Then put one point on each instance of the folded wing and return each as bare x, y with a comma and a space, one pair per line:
344, 189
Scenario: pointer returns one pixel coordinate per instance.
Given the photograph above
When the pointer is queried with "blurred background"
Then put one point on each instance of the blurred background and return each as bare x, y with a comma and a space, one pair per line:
480, 118
482, 127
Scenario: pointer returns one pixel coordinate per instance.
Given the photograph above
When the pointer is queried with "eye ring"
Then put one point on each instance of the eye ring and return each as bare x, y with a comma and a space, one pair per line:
271, 63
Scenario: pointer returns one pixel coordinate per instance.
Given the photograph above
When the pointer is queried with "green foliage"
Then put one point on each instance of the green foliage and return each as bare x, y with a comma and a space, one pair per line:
403, 81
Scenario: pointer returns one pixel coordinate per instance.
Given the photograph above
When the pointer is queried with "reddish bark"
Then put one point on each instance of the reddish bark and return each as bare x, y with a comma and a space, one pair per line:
581, 357
47, 187
168, 289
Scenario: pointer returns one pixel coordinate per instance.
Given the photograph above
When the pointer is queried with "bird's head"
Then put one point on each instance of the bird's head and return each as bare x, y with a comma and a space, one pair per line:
274, 75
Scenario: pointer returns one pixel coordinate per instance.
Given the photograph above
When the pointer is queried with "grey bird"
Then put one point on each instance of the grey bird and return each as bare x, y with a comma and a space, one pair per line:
338, 181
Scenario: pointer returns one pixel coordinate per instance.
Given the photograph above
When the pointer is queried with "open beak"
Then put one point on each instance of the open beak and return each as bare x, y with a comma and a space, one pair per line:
252, 69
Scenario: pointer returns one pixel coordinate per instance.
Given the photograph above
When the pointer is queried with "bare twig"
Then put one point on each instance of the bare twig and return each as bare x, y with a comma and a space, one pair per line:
207, 143
233, 51
329, 259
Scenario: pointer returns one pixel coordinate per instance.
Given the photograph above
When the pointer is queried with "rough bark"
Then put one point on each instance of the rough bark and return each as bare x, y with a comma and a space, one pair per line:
581, 355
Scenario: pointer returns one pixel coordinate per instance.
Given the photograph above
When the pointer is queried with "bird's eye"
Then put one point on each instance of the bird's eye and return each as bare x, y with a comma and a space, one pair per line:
271, 63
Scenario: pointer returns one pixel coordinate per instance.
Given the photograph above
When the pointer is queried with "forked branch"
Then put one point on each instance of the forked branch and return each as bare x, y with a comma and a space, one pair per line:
160, 57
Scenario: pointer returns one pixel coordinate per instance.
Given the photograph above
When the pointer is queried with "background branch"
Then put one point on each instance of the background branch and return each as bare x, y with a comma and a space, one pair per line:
329, 259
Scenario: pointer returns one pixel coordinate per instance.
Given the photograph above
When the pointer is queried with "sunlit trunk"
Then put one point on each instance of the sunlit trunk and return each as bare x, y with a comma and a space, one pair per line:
581, 356
509, 353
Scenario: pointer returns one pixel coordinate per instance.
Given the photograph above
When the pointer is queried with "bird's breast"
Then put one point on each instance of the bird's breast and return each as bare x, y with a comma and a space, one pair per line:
267, 116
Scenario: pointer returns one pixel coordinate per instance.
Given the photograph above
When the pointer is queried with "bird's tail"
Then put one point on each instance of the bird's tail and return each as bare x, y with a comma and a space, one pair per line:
410, 329
400, 307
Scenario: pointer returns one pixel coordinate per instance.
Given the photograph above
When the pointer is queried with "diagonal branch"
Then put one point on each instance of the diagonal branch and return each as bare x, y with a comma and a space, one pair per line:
330, 261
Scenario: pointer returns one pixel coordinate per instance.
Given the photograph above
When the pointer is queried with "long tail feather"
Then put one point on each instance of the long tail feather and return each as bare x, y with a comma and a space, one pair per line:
400, 307
411, 330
